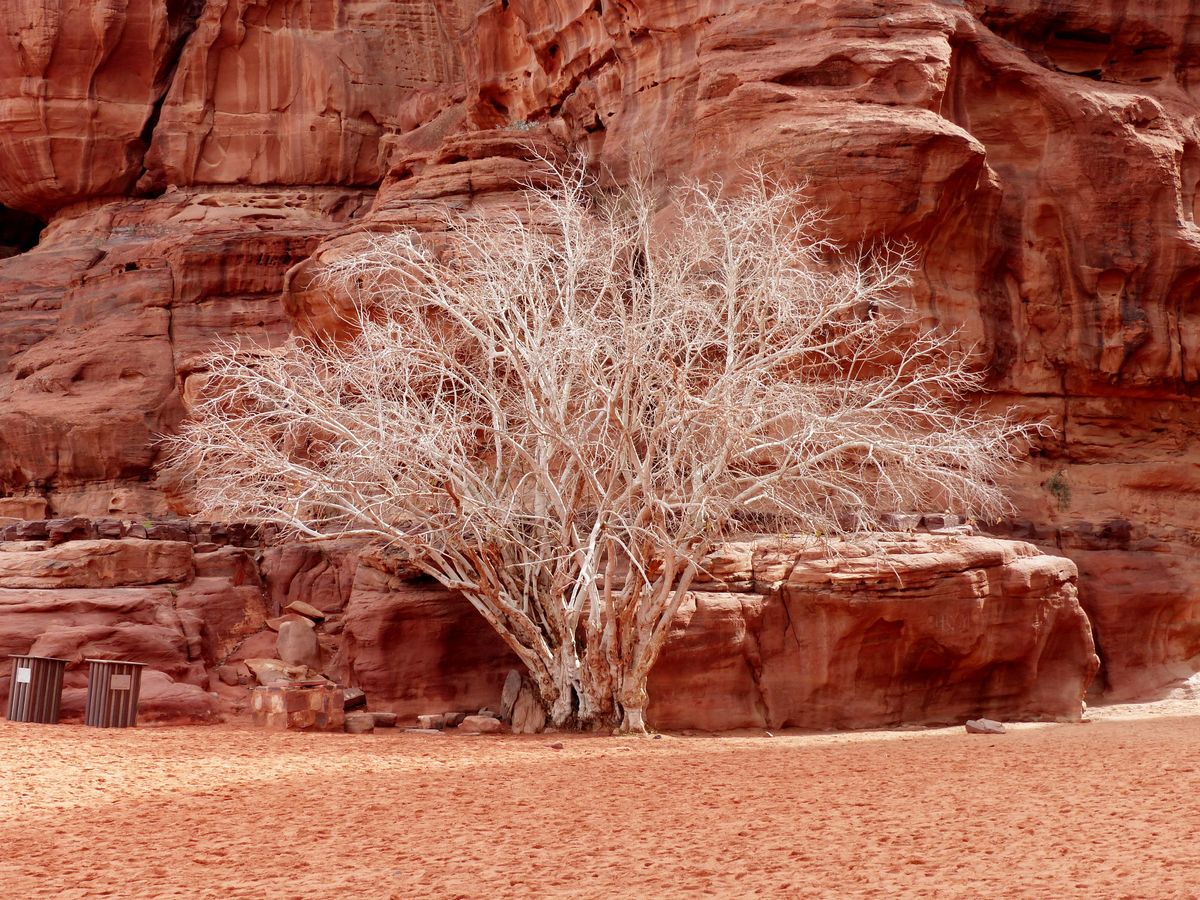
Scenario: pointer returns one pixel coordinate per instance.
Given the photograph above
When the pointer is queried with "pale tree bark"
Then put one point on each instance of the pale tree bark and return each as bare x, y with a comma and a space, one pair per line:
560, 415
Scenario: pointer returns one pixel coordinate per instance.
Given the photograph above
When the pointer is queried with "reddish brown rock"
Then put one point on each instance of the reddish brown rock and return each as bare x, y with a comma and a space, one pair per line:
161, 702
227, 614
80, 82
922, 630
258, 646
134, 623
416, 646
306, 610
360, 723
912, 629
94, 564
481, 725
120, 300
306, 707
528, 715
1043, 157
320, 575
297, 643
160, 647
271, 671
26, 615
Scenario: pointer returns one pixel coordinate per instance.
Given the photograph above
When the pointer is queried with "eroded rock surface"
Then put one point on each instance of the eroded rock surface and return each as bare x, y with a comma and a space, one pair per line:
1044, 157
923, 630
915, 629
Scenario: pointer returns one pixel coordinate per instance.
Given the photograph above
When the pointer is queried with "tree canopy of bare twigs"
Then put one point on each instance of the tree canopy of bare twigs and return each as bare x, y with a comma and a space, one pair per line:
559, 413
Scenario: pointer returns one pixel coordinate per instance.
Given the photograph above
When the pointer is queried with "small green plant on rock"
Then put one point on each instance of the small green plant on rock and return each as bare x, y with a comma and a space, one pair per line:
1059, 489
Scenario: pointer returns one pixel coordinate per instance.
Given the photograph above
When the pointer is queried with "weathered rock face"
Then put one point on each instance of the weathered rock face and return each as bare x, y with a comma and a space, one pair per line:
110, 315
919, 629
80, 83
94, 564
107, 99
1044, 156
417, 648
184, 608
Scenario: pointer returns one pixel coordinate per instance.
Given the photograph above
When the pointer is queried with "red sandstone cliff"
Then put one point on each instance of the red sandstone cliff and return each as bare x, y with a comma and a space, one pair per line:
912, 629
1043, 155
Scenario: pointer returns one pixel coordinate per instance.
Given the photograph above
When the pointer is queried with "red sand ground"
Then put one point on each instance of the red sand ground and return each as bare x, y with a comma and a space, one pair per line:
1108, 809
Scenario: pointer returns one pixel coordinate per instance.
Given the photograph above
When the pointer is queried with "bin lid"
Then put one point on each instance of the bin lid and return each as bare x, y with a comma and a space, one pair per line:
27, 656
117, 662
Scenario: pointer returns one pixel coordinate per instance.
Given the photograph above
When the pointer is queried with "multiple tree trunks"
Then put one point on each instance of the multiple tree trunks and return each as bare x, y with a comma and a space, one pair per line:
916, 629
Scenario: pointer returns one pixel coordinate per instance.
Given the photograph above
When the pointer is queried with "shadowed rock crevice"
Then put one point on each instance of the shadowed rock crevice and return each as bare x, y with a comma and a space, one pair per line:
19, 231
182, 16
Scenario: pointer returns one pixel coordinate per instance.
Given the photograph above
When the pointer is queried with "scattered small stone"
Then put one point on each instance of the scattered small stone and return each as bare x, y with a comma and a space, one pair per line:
984, 726
490, 713
481, 725
333, 626
384, 719
353, 698
434, 722
360, 723
557, 745
768, 734
658, 737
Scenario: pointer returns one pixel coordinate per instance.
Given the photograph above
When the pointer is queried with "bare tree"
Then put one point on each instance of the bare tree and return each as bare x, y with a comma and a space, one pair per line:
561, 412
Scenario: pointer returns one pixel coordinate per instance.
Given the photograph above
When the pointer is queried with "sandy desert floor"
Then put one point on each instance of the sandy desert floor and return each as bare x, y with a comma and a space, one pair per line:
1107, 809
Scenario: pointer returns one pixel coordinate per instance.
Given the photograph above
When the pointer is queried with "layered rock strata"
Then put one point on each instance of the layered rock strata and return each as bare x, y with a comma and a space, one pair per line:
912, 629
916, 629
169, 162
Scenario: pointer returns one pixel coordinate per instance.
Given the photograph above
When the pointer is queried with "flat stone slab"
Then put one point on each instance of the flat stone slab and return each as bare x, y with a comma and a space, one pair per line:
481, 725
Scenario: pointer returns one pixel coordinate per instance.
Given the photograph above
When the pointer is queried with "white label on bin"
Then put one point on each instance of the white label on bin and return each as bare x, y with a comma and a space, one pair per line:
119, 683
24, 676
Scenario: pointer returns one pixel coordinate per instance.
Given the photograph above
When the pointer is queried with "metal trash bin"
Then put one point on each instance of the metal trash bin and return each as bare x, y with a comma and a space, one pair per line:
35, 691
112, 696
